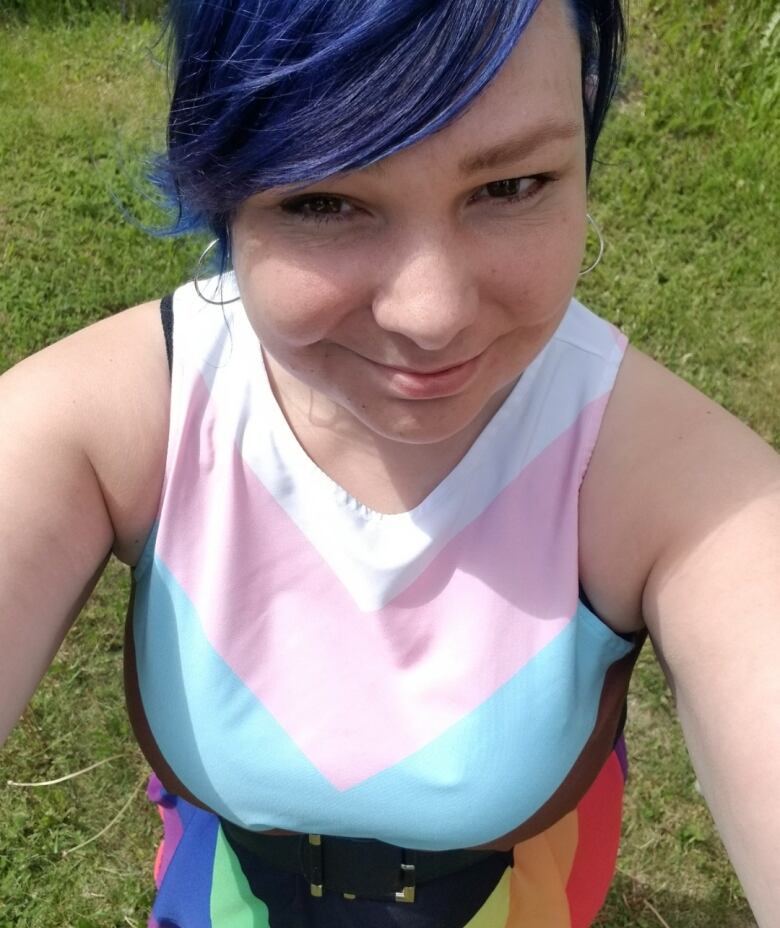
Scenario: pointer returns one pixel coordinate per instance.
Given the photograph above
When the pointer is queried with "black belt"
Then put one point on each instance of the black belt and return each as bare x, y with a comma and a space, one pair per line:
355, 867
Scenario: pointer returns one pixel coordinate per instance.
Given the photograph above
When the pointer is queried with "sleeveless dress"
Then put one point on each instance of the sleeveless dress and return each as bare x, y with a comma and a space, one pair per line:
433, 679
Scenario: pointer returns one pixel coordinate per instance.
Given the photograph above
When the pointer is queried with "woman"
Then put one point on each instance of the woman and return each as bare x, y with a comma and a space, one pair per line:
382, 509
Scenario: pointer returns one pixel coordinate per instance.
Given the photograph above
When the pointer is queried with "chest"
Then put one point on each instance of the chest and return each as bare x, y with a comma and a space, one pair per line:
430, 679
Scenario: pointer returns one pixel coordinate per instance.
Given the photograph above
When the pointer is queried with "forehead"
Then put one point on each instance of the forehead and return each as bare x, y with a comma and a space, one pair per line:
542, 76
538, 88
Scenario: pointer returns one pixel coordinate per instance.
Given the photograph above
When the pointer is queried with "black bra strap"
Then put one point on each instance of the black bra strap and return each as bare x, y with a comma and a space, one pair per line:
166, 315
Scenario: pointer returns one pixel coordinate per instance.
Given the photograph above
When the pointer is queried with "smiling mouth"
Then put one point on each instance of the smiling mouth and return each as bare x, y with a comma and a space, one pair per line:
421, 372
415, 384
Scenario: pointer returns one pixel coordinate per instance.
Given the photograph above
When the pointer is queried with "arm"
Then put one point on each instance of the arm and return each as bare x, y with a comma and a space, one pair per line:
80, 462
681, 527
712, 604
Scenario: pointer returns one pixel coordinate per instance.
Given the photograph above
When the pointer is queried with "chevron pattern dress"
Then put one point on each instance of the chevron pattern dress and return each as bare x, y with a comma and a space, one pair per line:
434, 679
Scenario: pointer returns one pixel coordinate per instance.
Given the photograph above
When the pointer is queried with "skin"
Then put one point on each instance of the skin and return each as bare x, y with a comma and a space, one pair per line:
415, 265
679, 510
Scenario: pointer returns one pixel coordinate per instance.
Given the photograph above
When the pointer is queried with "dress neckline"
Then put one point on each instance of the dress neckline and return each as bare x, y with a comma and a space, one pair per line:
296, 455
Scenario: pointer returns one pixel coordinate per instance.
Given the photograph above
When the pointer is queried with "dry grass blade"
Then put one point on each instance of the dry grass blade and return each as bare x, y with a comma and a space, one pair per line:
68, 776
111, 824
657, 914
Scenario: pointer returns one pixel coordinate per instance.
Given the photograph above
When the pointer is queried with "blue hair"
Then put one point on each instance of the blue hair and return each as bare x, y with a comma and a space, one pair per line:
283, 92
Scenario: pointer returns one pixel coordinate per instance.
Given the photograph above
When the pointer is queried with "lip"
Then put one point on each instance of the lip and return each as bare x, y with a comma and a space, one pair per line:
415, 384
423, 373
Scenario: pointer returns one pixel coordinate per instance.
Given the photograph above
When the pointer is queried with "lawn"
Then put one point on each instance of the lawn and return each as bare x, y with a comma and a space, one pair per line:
686, 194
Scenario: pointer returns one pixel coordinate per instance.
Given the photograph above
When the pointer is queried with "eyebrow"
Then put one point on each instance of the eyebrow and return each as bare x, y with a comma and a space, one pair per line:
516, 149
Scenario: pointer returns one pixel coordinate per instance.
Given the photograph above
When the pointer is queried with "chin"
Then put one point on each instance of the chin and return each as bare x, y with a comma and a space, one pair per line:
427, 422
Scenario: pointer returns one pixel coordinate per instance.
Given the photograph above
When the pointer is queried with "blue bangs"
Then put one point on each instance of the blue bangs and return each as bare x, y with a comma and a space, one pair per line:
270, 93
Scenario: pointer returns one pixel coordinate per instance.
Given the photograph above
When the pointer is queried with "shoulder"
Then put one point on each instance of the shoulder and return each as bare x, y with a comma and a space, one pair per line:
684, 501
668, 462
104, 391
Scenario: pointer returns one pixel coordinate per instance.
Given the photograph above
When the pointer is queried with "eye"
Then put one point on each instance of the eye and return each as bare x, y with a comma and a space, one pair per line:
513, 189
319, 207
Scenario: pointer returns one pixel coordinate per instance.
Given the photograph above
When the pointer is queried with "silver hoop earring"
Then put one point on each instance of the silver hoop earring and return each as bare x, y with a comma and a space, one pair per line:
198, 269
600, 255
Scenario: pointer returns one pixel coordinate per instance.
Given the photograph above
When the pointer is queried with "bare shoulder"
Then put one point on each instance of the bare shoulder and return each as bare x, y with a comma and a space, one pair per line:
83, 426
106, 389
669, 463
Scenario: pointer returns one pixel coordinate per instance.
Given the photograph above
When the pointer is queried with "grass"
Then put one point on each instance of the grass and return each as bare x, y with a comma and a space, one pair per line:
686, 196
45, 12
82, 105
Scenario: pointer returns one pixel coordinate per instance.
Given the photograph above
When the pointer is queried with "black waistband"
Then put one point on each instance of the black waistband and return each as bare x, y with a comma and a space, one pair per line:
356, 867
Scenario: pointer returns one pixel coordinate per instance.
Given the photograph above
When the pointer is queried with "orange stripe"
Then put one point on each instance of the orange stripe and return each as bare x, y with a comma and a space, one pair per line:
537, 897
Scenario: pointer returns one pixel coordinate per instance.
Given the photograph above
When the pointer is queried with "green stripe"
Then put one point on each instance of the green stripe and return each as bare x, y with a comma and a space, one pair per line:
233, 904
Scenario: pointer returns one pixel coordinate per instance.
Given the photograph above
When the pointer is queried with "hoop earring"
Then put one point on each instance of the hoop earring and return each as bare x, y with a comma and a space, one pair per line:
196, 284
600, 255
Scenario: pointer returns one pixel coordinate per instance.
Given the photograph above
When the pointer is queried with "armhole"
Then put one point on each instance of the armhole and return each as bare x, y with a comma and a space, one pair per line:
630, 637
166, 317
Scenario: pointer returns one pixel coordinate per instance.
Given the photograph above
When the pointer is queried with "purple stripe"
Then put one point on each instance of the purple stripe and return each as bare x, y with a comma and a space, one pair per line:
173, 827
622, 755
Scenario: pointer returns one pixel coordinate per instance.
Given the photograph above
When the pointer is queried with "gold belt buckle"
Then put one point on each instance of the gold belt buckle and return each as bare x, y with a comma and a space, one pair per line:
407, 893
315, 852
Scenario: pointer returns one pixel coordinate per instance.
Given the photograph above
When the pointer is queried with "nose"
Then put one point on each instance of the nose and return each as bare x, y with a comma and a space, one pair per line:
428, 293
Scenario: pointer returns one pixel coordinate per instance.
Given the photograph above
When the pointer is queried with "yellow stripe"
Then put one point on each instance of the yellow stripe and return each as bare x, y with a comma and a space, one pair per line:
495, 909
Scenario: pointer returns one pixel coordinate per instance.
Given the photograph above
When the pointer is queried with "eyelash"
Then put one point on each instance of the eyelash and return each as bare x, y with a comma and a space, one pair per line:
297, 206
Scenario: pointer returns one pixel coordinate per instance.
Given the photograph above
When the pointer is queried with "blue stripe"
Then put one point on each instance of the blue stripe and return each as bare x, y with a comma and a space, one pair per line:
184, 898
486, 774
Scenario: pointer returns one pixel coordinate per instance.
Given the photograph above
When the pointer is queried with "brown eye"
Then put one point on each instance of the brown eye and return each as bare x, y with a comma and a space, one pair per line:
504, 188
319, 207
513, 190
322, 205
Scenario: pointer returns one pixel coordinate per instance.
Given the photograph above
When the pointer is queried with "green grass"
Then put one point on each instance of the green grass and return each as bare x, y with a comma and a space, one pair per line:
686, 197
46, 12
82, 107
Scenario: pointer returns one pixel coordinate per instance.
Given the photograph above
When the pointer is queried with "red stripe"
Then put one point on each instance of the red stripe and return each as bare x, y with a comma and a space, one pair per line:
598, 817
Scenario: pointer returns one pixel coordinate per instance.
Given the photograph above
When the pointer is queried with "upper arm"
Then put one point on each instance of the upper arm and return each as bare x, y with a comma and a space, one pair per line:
712, 606
684, 500
74, 479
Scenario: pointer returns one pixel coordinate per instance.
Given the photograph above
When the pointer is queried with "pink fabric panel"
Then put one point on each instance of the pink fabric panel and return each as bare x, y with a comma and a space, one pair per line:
426, 658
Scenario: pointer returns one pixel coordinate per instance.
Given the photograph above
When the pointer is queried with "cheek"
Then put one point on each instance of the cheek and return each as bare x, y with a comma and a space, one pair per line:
294, 305
553, 259
535, 290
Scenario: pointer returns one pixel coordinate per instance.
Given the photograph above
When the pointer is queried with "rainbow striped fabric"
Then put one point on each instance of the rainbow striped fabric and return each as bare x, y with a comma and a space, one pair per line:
431, 679
559, 878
